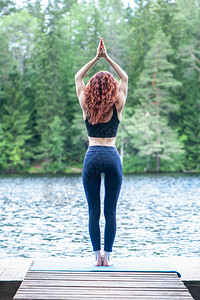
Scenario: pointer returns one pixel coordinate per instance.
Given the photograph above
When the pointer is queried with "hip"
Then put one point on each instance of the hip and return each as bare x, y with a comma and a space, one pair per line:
102, 159
105, 155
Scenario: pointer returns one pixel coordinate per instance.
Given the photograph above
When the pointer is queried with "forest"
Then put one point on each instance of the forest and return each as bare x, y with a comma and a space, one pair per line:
157, 43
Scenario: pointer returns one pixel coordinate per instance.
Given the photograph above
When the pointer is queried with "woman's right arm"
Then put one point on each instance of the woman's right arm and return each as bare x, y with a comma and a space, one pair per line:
123, 85
120, 72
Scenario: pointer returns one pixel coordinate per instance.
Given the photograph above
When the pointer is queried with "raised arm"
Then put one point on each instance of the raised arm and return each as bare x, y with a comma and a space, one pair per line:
123, 84
80, 85
120, 72
83, 71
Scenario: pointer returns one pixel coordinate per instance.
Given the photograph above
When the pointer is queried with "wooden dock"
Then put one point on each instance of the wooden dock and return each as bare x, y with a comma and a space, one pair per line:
101, 285
13, 271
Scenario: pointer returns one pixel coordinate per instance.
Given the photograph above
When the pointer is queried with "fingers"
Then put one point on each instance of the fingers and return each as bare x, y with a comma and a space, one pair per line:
101, 43
101, 51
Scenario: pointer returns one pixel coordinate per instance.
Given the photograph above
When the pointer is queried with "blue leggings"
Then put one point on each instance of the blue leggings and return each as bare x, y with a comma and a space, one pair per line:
102, 159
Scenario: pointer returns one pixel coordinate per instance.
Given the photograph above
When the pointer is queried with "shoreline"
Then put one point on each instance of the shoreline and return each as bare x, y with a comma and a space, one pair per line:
78, 171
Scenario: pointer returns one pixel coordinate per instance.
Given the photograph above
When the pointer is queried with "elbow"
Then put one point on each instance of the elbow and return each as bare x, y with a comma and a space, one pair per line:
125, 77
78, 77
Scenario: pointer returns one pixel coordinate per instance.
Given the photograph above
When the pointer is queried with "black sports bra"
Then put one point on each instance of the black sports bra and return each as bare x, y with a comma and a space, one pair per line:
108, 129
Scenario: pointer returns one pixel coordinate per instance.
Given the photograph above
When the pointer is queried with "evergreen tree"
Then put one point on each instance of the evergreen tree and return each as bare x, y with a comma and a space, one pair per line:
153, 93
49, 97
15, 121
190, 93
56, 145
6, 63
3, 153
43, 45
140, 34
6, 7
20, 29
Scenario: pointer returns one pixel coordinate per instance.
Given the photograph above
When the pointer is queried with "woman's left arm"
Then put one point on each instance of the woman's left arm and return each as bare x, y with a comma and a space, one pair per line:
80, 85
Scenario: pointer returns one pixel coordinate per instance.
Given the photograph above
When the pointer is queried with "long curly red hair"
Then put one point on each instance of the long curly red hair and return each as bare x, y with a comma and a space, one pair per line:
100, 95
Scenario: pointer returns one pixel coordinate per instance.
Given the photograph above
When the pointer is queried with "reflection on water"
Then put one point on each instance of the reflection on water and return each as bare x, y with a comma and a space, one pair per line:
45, 216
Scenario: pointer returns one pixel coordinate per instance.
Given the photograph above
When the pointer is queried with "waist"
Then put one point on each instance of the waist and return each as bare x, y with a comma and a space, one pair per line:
102, 141
97, 148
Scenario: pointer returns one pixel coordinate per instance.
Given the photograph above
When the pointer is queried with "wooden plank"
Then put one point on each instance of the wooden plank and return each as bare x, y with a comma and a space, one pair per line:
4, 263
13, 269
108, 292
101, 285
80, 286
79, 296
106, 274
97, 278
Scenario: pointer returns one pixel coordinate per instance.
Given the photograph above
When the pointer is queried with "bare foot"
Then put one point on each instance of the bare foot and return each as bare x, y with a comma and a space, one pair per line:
106, 262
98, 262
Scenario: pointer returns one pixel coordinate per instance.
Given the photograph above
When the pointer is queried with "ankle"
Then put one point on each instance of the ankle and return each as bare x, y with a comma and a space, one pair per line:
98, 254
106, 255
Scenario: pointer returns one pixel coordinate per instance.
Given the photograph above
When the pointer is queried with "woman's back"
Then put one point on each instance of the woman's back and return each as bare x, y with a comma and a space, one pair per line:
105, 129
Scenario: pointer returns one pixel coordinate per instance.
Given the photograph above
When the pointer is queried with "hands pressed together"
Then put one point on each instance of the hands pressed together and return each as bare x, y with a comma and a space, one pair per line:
101, 50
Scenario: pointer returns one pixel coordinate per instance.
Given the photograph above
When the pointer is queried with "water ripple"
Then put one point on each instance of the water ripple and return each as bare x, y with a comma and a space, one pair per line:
44, 216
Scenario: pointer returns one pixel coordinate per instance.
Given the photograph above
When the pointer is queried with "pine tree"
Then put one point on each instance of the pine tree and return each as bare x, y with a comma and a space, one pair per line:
42, 48
3, 153
189, 54
50, 98
56, 145
154, 90
6, 7
15, 121
6, 63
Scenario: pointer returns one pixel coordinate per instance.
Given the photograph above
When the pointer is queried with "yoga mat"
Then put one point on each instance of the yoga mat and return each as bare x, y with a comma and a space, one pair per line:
119, 265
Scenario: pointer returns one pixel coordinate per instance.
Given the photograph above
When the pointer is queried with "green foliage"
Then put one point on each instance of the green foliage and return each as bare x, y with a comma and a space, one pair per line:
56, 144
6, 7
41, 48
189, 55
15, 119
3, 156
151, 133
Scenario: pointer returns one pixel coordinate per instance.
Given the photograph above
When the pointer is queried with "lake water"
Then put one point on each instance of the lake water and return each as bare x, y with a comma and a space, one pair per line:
47, 216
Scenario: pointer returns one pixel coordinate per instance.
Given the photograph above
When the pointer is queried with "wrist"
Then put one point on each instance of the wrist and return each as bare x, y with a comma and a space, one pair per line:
106, 57
97, 57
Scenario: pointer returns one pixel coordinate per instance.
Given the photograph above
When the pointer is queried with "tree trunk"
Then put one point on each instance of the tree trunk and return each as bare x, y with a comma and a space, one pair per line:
122, 151
157, 162
148, 163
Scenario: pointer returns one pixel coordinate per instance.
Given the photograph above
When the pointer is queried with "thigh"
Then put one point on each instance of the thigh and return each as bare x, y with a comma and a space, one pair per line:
113, 181
91, 182
92, 166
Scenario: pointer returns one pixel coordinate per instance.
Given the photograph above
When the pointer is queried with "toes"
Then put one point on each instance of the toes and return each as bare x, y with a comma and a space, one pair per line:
107, 263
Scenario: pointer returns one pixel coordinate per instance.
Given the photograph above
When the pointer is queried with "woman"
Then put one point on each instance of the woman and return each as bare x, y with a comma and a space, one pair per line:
102, 101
